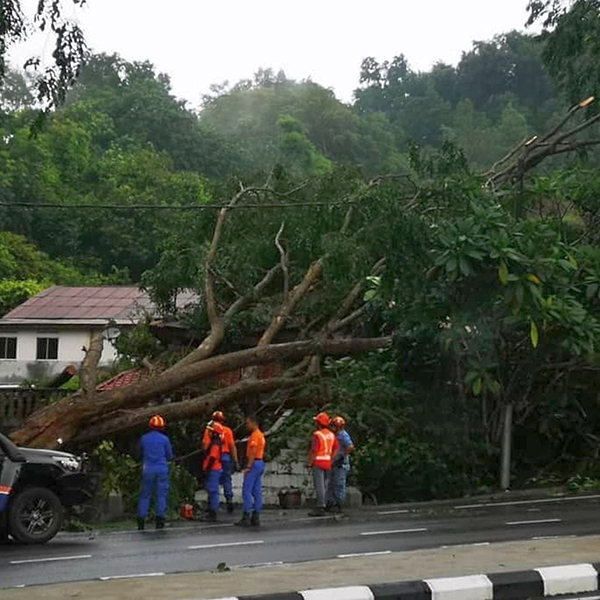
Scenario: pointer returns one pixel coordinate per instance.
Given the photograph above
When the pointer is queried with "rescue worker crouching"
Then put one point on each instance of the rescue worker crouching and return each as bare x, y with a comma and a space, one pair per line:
341, 465
229, 457
324, 447
156, 452
253, 473
212, 465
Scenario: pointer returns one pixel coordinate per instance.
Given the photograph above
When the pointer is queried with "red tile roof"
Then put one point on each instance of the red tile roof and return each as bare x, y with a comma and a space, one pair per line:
123, 379
88, 303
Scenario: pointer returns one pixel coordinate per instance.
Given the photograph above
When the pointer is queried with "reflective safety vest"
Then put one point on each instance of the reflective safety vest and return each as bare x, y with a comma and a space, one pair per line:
324, 450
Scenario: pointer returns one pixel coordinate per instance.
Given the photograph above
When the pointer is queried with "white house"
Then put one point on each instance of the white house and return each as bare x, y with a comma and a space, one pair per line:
48, 332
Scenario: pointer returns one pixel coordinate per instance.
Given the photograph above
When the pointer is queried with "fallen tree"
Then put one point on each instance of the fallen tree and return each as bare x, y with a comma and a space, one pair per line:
89, 414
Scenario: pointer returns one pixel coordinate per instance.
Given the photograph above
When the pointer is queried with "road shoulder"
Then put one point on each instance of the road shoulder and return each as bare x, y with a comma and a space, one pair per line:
400, 566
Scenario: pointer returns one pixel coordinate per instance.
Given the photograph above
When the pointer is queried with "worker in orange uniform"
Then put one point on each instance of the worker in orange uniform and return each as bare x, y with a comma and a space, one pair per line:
323, 448
212, 465
253, 473
229, 457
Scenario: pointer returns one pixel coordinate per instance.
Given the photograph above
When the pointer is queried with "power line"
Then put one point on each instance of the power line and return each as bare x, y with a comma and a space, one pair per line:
174, 206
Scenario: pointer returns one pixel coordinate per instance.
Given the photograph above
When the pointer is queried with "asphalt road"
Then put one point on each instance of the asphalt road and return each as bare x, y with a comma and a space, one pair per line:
203, 548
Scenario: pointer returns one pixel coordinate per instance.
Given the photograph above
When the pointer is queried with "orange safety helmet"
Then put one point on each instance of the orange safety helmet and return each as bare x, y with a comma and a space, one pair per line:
157, 422
338, 422
322, 419
219, 416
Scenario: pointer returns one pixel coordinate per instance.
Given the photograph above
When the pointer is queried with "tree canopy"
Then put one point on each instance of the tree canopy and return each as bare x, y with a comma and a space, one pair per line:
447, 219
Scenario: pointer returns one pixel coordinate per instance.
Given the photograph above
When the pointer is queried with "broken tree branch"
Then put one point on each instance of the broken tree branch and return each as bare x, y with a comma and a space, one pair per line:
284, 263
64, 418
179, 411
89, 367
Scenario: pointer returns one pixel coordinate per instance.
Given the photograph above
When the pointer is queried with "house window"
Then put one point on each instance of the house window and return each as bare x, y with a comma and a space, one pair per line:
8, 347
47, 348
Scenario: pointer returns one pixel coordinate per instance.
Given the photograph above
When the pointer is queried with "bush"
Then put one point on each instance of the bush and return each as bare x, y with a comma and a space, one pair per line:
121, 474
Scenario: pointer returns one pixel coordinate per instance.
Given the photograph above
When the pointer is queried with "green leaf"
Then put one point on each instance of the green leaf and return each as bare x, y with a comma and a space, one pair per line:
494, 386
591, 291
451, 264
465, 267
503, 273
477, 386
471, 376
534, 334
370, 295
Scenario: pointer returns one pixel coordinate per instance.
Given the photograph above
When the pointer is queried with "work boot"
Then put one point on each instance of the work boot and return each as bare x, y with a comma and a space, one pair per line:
245, 521
211, 516
141, 523
160, 522
229, 506
318, 511
255, 520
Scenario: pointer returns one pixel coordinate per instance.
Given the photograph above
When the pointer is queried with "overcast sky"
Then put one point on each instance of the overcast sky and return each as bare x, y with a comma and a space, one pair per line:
199, 43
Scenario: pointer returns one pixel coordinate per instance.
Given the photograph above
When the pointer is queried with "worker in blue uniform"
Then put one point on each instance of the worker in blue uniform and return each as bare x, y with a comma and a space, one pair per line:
156, 455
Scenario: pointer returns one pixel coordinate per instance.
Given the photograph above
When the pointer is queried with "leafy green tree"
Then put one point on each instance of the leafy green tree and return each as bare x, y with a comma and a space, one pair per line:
572, 46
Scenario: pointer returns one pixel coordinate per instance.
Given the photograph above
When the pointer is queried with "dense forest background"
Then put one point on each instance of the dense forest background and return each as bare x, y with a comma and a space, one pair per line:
491, 287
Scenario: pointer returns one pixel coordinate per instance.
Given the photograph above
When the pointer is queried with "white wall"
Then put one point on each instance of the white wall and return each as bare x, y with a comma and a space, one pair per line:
70, 342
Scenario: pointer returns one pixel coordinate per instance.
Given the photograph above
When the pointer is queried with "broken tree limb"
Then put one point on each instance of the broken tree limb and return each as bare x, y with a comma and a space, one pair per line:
527, 156
63, 419
89, 367
284, 263
354, 295
312, 274
179, 411
217, 327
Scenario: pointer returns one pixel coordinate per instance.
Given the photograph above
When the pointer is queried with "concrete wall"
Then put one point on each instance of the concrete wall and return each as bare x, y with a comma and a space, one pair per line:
287, 471
70, 342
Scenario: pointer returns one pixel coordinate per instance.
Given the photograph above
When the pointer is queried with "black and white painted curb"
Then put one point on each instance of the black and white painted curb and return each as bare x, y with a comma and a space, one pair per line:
542, 582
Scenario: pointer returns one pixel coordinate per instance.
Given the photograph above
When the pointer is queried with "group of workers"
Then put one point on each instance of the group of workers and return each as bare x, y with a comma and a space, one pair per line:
329, 459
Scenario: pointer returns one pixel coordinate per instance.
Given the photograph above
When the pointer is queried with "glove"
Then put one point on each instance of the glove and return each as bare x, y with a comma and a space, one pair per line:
338, 462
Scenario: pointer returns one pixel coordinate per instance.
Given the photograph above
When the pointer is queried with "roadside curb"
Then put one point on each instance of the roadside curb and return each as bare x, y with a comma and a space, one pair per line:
519, 585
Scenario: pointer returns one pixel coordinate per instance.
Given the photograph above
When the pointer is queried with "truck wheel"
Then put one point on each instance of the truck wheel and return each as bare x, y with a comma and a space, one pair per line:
35, 516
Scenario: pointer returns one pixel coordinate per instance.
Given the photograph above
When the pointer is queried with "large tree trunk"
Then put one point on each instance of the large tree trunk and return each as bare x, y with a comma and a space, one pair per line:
179, 411
60, 422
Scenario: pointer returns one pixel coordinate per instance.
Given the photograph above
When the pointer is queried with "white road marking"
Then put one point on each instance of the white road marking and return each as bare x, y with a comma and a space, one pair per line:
467, 545
110, 577
364, 554
49, 559
227, 545
277, 563
393, 512
519, 502
535, 522
552, 537
199, 528
392, 531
